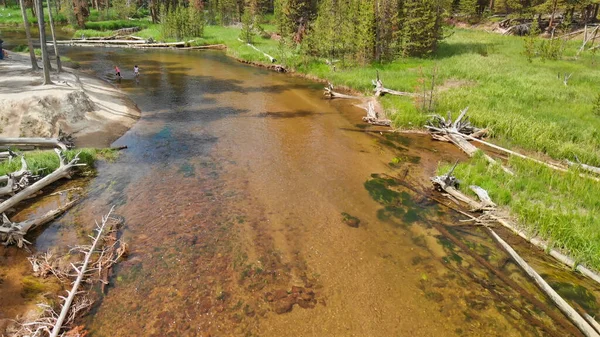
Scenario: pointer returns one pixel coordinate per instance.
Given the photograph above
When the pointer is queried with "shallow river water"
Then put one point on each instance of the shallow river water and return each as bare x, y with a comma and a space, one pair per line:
254, 207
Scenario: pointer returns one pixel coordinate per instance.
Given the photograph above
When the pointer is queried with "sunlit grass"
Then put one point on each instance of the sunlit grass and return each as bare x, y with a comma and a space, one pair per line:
44, 162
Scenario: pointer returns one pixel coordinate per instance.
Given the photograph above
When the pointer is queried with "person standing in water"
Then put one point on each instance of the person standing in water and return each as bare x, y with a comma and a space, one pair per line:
118, 72
136, 71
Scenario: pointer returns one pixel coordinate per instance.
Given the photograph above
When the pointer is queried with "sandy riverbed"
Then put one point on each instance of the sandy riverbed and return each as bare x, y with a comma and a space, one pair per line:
93, 111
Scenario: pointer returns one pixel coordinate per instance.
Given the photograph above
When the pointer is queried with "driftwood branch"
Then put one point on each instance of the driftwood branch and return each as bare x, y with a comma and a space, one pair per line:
589, 168
271, 58
373, 117
330, 93
37, 142
80, 275
380, 90
17, 180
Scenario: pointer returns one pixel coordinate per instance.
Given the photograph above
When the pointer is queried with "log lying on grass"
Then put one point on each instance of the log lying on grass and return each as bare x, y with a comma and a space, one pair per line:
444, 129
210, 46
380, 90
330, 93
589, 168
271, 58
36, 142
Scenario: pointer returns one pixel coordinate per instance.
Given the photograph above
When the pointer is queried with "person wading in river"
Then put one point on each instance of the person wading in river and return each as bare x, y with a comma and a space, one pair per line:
136, 71
118, 72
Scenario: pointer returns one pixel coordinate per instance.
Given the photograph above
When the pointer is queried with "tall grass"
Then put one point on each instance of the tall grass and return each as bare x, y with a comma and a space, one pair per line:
44, 162
560, 207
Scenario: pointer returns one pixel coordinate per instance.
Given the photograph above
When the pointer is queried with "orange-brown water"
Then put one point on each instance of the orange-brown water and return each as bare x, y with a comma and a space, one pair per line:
233, 189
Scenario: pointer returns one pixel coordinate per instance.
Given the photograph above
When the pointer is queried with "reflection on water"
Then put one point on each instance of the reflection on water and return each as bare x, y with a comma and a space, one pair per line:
254, 207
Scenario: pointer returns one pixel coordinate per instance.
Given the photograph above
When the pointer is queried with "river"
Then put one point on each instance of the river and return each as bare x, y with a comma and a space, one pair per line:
254, 207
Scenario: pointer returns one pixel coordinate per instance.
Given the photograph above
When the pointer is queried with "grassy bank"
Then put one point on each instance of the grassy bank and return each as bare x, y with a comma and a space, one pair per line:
44, 162
562, 208
11, 16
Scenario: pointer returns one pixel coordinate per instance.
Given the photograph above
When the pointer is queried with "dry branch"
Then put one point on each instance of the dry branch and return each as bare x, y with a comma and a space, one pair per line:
329, 93
81, 271
444, 129
17, 180
373, 117
380, 90
585, 167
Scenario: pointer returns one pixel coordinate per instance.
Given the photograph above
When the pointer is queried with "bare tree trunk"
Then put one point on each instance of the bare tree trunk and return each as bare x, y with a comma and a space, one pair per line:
45, 59
34, 64
58, 64
554, 5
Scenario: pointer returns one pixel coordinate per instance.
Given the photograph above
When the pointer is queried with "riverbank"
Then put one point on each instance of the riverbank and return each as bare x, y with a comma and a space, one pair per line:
522, 103
94, 112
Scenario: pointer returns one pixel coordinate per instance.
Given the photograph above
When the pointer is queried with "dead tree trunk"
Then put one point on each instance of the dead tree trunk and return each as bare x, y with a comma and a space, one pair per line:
34, 64
329, 93
380, 90
58, 64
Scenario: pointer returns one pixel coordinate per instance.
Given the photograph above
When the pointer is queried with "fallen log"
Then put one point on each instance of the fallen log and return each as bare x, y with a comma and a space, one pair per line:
100, 41
127, 31
210, 46
585, 167
448, 183
329, 93
455, 132
380, 90
271, 58
373, 117
64, 171
14, 232
37, 142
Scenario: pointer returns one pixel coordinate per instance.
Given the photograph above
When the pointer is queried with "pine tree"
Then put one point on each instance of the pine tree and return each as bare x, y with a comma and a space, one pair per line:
421, 26
365, 31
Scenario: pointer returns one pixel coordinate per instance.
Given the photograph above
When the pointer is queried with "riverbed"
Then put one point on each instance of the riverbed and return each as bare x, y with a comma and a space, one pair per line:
255, 207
